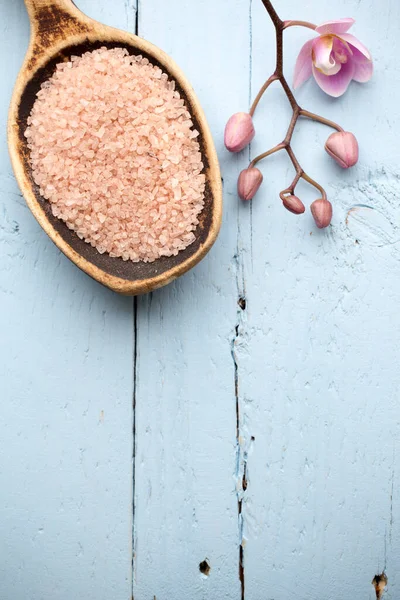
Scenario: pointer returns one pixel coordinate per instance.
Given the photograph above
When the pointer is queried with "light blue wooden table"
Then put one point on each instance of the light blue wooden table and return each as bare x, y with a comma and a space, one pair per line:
269, 432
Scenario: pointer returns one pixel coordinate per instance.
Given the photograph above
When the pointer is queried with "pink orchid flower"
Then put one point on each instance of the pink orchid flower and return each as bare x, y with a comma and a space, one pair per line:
334, 58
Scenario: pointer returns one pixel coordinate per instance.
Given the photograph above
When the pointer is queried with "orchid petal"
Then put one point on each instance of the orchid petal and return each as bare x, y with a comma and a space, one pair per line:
339, 26
335, 85
363, 68
321, 55
353, 41
341, 52
303, 68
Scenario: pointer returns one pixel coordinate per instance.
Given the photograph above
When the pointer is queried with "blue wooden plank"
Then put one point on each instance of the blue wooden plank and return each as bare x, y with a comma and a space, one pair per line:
66, 395
319, 344
314, 350
186, 462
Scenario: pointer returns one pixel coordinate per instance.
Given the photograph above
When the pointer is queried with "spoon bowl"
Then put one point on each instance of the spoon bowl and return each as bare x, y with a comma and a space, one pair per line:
60, 30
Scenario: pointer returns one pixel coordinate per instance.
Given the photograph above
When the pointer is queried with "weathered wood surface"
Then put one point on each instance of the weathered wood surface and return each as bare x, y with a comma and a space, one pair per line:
308, 364
66, 395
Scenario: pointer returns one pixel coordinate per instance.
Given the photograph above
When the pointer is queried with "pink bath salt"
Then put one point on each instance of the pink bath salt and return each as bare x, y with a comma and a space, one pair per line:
113, 149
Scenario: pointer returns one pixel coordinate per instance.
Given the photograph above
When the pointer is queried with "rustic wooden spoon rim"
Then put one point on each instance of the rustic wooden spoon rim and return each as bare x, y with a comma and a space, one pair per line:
98, 34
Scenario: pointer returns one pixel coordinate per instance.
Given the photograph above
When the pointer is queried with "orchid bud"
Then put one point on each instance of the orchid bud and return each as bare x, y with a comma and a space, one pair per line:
343, 147
293, 204
239, 132
248, 183
321, 210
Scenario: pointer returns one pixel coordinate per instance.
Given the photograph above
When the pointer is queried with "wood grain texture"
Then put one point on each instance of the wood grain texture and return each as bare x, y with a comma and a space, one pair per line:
186, 455
297, 326
66, 397
317, 349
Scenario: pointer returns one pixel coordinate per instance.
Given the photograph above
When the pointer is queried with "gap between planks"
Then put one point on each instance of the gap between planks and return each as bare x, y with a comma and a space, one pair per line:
242, 444
241, 458
132, 8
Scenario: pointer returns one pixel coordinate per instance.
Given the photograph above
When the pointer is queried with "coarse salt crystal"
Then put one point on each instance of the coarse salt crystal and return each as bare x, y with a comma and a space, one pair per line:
113, 150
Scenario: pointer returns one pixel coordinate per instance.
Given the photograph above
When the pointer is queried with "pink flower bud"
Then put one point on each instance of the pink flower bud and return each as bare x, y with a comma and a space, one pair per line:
343, 147
321, 210
239, 132
248, 183
293, 204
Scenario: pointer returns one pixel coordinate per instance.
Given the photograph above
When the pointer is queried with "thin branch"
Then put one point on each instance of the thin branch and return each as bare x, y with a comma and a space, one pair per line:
287, 24
301, 174
314, 117
289, 93
265, 154
272, 13
314, 184
294, 160
292, 125
278, 75
261, 92
292, 186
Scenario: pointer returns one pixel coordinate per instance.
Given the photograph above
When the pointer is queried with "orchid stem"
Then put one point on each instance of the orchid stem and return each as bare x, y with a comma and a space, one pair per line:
292, 125
265, 154
300, 174
314, 184
278, 75
314, 117
295, 181
294, 160
287, 24
291, 188
261, 92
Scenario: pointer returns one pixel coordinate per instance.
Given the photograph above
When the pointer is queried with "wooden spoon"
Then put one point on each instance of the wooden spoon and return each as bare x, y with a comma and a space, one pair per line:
59, 30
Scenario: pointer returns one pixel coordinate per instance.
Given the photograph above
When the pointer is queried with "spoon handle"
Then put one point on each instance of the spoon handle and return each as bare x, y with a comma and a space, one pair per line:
52, 22
41, 10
